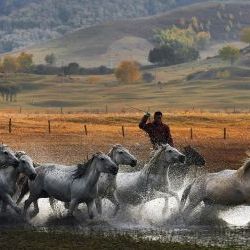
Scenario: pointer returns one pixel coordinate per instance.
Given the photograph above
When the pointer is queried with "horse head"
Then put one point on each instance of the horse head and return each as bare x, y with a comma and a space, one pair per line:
26, 165
122, 156
7, 156
104, 163
172, 155
193, 157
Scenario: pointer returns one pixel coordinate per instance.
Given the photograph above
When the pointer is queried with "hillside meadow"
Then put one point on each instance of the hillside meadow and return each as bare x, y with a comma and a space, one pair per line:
99, 93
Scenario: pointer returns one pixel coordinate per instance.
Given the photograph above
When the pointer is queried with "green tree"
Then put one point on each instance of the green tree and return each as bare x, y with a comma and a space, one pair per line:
172, 53
245, 35
24, 62
50, 59
229, 53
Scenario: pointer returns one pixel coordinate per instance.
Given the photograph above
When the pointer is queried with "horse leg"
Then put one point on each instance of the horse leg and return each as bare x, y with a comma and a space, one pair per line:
114, 200
27, 203
52, 203
72, 206
24, 191
36, 209
90, 206
9, 201
98, 203
175, 195
188, 209
4, 207
166, 205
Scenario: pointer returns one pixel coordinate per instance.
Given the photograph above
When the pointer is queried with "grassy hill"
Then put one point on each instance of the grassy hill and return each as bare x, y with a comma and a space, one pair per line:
108, 44
175, 92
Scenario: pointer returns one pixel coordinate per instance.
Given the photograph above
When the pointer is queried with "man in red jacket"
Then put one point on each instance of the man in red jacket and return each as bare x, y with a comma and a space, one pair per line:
158, 132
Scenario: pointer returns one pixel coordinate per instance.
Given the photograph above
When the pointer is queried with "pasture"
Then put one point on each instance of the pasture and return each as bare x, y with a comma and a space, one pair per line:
98, 93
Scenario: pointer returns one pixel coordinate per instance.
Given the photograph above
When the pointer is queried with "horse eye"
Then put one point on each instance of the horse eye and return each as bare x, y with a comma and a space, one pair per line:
120, 152
102, 159
23, 161
170, 151
5, 153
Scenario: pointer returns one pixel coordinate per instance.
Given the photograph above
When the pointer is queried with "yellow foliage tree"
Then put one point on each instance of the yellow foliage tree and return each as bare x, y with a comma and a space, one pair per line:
128, 72
1, 67
9, 64
24, 62
245, 35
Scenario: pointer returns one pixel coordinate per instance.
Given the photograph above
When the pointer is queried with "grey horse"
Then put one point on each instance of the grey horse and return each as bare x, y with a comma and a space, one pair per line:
224, 188
19, 163
75, 184
138, 187
107, 183
192, 166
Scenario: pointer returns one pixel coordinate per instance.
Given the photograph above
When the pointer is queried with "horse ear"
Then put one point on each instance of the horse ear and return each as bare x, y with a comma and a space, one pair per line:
248, 153
18, 154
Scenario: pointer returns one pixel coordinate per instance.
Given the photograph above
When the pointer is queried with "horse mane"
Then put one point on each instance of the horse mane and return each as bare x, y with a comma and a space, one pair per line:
244, 168
82, 169
152, 162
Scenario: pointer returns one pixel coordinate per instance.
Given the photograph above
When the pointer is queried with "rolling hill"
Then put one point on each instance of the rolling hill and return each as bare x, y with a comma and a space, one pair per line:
25, 22
107, 44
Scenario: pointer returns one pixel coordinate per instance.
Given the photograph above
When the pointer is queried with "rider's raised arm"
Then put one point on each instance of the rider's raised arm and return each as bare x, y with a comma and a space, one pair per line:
143, 122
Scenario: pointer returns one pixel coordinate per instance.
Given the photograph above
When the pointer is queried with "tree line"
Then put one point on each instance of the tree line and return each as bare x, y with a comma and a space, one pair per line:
23, 63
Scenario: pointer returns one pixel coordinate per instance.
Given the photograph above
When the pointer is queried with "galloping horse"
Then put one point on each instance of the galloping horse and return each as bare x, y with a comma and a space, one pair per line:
138, 187
19, 163
75, 184
226, 188
107, 182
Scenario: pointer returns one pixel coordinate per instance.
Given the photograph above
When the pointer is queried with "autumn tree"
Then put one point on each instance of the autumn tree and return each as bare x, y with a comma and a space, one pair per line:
1, 67
128, 72
24, 62
9, 64
245, 35
229, 53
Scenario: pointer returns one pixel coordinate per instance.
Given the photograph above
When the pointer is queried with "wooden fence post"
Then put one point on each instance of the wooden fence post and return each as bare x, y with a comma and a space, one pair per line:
191, 133
10, 124
225, 133
85, 129
61, 110
20, 109
123, 131
106, 109
49, 126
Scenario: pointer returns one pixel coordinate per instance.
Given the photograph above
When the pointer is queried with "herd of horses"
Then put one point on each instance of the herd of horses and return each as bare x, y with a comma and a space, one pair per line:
99, 178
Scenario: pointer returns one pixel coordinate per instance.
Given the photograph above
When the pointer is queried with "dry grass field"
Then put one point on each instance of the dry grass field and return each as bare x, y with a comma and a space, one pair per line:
67, 143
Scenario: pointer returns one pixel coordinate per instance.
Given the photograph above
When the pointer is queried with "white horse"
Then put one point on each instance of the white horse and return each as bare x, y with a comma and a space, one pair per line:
138, 187
225, 188
75, 184
9, 176
107, 182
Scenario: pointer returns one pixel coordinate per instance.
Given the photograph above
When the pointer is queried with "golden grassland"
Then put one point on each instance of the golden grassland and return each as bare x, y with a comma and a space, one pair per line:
67, 143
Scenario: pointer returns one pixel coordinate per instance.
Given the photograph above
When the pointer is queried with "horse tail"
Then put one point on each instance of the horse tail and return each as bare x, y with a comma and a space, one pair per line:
24, 190
185, 194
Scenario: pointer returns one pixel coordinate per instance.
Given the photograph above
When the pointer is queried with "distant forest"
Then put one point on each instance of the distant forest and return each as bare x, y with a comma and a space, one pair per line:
25, 22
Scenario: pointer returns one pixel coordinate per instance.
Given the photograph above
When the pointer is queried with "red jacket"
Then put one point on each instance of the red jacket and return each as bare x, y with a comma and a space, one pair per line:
158, 133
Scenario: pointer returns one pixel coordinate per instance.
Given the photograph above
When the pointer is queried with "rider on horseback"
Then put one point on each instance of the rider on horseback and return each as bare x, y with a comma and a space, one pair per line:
158, 132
